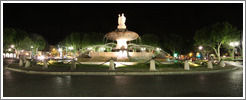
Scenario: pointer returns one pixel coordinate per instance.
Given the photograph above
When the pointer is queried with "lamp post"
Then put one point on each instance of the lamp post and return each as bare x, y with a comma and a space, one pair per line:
200, 48
70, 48
60, 50
234, 44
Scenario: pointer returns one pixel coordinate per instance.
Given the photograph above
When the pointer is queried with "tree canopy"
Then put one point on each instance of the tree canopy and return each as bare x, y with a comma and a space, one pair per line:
150, 39
215, 36
22, 40
174, 43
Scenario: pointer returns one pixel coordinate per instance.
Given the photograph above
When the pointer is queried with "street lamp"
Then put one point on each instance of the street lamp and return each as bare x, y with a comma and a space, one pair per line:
70, 48
234, 44
60, 50
12, 46
200, 47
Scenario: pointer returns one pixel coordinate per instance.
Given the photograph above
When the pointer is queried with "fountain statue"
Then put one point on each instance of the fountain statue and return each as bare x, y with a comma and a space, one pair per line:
121, 34
121, 21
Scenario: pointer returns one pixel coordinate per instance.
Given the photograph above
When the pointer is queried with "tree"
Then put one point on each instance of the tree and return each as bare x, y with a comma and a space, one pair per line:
150, 39
92, 39
39, 41
14, 37
8, 37
173, 43
215, 36
26, 43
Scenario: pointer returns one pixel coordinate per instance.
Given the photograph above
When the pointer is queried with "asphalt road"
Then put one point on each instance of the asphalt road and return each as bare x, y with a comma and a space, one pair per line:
224, 84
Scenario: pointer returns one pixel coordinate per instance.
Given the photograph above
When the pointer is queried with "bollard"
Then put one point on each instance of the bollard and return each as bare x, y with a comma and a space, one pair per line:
111, 65
45, 64
27, 64
21, 63
73, 65
210, 65
152, 65
25, 60
186, 65
222, 63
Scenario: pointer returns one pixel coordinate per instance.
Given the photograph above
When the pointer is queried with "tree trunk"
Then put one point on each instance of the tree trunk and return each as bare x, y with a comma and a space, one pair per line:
218, 54
232, 53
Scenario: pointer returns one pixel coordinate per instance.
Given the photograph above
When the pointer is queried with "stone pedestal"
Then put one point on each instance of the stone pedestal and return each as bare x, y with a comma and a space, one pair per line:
24, 61
186, 65
45, 64
222, 64
21, 63
111, 65
152, 65
73, 65
27, 64
17, 56
210, 65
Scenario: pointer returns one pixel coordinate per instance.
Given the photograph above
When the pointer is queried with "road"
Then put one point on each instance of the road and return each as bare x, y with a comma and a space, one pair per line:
224, 84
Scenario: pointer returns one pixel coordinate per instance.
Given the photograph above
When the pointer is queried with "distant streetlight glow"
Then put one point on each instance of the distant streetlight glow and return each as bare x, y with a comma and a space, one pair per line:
31, 46
12, 46
70, 48
9, 49
200, 47
175, 55
60, 50
233, 44
190, 54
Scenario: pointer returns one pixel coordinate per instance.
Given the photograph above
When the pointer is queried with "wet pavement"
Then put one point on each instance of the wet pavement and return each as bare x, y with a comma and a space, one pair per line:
224, 84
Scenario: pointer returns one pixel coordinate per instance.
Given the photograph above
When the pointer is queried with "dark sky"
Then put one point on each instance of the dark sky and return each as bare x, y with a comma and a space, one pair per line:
55, 21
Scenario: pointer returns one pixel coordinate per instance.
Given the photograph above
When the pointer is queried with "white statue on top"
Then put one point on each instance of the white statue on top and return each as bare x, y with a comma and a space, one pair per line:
121, 21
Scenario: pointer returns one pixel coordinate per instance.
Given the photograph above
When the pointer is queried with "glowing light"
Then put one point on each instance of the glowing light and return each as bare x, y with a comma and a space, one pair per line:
236, 43
175, 55
190, 54
12, 46
122, 54
9, 49
60, 50
122, 64
7, 55
27, 54
31, 46
70, 48
143, 49
41, 57
158, 49
89, 48
232, 44
102, 49
11, 55
22, 50
121, 43
200, 47
224, 56
198, 55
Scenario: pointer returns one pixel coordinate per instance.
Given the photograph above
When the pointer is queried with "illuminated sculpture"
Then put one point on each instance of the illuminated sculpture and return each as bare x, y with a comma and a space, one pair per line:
121, 34
121, 21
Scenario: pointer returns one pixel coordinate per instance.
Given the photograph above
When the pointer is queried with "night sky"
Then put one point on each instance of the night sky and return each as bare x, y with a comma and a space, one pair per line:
55, 21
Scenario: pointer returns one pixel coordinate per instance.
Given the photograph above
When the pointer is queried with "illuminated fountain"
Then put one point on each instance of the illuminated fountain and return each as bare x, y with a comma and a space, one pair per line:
121, 51
121, 35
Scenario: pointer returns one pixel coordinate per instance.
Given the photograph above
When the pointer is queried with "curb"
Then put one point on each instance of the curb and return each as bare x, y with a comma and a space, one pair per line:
111, 73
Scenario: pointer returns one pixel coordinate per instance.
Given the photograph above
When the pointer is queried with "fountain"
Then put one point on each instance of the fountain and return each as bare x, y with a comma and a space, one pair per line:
121, 34
121, 51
